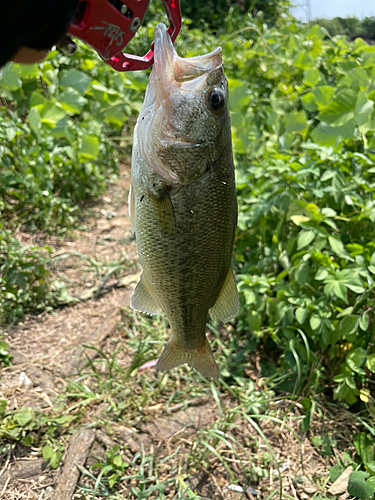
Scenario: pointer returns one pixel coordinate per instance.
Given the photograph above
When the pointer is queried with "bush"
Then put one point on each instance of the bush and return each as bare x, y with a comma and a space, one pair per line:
303, 127
214, 13
57, 120
56, 125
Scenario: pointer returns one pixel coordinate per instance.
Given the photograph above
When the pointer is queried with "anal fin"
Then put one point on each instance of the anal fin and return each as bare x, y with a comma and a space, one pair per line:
143, 300
228, 303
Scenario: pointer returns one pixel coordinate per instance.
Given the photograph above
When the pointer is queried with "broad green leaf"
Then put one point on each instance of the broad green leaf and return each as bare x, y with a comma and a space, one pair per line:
340, 392
321, 274
336, 288
363, 109
323, 95
112, 480
76, 80
37, 100
117, 460
295, 122
355, 249
47, 452
55, 459
347, 326
356, 78
317, 33
34, 121
254, 321
250, 296
51, 113
23, 418
3, 405
315, 322
345, 312
365, 447
301, 314
72, 101
370, 363
90, 147
61, 128
28, 71
116, 115
337, 246
103, 93
340, 110
27, 440
311, 77
309, 102
303, 60
10, 78
370, 467
318, 98
305, 238
355, 360
364, 322
139, 79
299, 219
326, 135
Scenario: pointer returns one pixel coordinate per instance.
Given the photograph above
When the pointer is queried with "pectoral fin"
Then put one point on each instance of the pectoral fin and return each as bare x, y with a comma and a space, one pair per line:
228, 303
131, 203
165, 210
143, 300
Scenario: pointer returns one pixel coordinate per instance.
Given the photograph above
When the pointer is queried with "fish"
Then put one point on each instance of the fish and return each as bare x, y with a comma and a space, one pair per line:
182, 202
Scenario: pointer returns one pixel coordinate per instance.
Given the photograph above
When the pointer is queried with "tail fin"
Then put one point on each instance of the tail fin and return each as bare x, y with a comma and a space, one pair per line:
201, 359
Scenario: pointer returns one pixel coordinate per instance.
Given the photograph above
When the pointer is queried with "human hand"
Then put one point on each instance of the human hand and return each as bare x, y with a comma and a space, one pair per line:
25, 55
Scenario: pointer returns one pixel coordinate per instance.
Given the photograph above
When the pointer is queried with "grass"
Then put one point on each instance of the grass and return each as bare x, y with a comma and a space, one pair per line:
239, 434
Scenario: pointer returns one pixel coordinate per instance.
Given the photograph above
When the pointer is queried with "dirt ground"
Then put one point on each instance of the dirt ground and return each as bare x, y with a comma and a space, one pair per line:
48, 348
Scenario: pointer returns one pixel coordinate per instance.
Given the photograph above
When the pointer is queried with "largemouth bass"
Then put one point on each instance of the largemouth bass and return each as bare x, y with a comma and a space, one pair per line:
182, 202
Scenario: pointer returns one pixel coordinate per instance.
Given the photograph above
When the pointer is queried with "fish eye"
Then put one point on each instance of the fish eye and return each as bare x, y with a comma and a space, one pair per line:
215, 100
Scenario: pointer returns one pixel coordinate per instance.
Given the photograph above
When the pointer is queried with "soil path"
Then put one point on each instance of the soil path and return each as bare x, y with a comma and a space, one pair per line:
48, 347
51, 342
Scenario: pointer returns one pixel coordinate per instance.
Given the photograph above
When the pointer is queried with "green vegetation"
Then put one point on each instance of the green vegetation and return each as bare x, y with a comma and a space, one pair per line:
303, 121
214, 13
57, 121
305, 249
32, 428
107, 397
352, 27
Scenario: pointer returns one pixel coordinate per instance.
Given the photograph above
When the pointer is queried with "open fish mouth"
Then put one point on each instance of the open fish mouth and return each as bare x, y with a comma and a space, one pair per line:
169, 67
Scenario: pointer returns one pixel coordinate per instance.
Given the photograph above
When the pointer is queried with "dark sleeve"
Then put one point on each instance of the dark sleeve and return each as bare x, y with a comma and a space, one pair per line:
37, 24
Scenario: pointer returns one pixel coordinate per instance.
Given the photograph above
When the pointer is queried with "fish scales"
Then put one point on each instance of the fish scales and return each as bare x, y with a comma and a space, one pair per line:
183, 204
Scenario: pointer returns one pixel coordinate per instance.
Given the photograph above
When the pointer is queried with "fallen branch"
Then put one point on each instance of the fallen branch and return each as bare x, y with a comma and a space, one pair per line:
76, 455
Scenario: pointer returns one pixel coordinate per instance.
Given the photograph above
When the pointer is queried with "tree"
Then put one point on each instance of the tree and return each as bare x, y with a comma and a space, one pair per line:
213, 12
